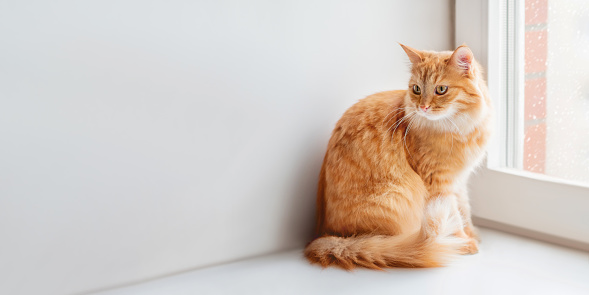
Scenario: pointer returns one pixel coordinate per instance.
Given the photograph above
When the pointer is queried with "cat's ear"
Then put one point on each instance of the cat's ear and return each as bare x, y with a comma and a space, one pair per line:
462, 59
414, 55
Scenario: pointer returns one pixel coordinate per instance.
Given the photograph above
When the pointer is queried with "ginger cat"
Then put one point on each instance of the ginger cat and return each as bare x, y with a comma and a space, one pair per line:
392, 188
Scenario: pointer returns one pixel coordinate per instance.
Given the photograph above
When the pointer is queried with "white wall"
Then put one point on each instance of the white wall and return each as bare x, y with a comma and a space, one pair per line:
142, 138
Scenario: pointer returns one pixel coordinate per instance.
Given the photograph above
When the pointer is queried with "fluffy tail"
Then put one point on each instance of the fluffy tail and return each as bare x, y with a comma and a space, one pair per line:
432, 246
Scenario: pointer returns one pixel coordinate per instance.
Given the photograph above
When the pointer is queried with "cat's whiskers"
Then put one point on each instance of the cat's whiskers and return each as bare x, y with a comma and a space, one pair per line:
388, 129
445, 131
411, 120
410, 115
396, 124
465, 120
397, 111
457, 129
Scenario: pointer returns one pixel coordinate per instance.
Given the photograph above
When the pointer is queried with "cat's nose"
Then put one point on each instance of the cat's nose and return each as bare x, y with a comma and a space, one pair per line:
424, 107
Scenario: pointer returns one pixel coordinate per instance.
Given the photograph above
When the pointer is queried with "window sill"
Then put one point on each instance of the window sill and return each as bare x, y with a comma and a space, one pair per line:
507, 264
540, 177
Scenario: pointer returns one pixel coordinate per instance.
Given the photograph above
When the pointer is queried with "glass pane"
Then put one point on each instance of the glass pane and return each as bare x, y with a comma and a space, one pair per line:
556, 100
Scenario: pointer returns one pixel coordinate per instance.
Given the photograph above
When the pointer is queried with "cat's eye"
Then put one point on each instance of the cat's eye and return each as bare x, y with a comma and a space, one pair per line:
416, 89
441, 89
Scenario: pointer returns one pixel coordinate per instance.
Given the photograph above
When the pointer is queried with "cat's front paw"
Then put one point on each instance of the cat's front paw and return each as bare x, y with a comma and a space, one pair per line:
471, 247
472, 232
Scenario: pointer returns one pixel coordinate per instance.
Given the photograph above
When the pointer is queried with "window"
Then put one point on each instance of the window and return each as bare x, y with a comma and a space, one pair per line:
537, 58
555, 113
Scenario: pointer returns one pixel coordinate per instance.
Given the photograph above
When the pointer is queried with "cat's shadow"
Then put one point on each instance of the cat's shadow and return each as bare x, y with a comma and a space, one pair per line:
298, 220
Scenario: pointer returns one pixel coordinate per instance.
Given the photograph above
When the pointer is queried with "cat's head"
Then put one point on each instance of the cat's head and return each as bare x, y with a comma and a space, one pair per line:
445, 88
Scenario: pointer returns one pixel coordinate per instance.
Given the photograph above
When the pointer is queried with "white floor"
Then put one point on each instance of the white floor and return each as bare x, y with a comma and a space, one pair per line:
507, 264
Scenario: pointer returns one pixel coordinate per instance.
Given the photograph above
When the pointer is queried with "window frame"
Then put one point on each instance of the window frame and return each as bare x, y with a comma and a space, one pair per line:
509, 199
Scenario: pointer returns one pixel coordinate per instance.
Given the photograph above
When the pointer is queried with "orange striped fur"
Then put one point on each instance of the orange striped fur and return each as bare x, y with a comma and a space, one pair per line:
392, 188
